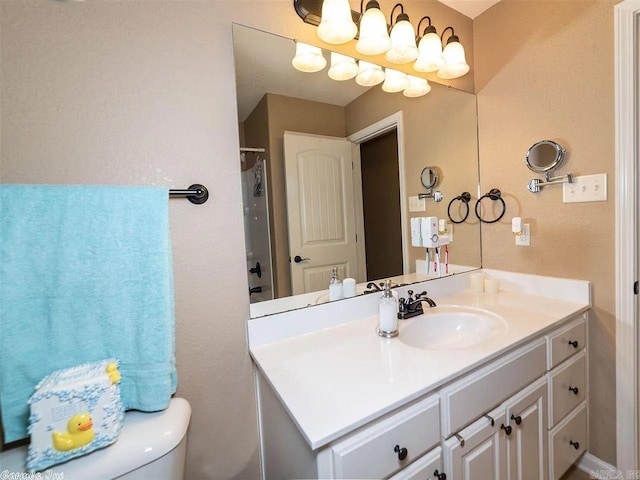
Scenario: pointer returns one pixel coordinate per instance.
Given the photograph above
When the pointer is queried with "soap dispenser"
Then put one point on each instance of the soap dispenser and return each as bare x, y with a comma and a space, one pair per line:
335, 286
388, 313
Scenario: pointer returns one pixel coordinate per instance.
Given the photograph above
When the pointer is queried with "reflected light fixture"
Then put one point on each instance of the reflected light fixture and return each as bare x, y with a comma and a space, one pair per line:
337, 25
403, 39
417, 87
394, 81
430, 56
374, 36
342, 67
369, 74
455, 63
308, 58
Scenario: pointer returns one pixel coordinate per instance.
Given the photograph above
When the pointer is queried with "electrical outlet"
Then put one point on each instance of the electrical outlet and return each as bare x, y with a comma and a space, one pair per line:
524, 239
417, 205
587, 188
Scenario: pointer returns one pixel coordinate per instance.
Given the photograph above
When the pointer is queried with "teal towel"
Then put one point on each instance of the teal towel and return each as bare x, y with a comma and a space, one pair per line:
85, 274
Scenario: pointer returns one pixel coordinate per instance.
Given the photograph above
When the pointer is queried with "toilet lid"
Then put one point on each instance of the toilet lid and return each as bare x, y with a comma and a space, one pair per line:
144, 438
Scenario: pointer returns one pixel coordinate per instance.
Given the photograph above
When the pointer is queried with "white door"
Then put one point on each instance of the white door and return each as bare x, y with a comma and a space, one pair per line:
480, 452
527, 444
320, 210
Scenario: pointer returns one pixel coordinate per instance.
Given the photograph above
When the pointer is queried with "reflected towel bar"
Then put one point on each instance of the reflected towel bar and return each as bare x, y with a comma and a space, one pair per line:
196, 193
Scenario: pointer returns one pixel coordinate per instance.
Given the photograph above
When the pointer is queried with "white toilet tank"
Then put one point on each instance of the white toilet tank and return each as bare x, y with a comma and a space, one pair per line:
150, 446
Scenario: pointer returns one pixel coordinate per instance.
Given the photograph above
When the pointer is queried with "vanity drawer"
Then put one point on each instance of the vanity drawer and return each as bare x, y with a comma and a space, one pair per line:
478, 392
568, 441
424, 467
370, 452
567, 387
565, 342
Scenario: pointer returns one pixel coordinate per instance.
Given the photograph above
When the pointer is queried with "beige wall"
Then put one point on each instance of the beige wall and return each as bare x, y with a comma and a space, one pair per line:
440, 130
142, 92
544, 70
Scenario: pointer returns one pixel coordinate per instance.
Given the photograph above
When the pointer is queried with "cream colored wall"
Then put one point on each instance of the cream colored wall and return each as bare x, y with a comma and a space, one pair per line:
440, 130
142, 92
544, 70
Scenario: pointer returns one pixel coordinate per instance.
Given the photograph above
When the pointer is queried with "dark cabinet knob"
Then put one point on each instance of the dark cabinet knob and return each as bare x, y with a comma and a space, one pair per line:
440, 476
402, 452
255, 290
507, 429
257, 270
299, 259
575, 445
574, 343
574, 389
517, 419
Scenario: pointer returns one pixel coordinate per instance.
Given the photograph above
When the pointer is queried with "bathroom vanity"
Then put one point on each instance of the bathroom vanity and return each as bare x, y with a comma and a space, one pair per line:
505, 400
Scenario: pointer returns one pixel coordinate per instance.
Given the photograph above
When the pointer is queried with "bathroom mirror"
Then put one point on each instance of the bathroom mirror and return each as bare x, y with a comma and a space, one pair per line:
273, 98
429, 177
544, 156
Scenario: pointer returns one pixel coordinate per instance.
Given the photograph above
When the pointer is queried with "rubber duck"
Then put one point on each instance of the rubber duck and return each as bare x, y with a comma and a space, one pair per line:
79, 433
113, 373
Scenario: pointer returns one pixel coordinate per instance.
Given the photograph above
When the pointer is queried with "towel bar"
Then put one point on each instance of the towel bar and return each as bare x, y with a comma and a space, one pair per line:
196, 193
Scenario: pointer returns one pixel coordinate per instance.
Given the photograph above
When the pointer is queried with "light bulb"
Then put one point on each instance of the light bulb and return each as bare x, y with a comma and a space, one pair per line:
403, 41
394, 81
369, 74
455, 63
429, 52
308, 58
374, 37
342, 67
417, 87
337, 25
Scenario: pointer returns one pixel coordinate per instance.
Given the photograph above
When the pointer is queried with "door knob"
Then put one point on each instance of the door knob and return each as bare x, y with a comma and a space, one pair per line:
257, 270
506, 429
517, 419
574, 343
575, 445
299, 259
574, 389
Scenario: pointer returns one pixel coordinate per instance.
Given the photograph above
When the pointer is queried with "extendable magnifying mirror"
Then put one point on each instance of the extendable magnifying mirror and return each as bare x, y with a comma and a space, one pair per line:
429, 179
544, 157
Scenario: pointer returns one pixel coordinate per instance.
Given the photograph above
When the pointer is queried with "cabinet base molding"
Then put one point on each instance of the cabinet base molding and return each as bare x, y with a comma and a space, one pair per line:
590, 463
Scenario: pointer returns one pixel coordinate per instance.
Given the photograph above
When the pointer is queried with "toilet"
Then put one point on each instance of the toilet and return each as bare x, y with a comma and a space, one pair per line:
150, 446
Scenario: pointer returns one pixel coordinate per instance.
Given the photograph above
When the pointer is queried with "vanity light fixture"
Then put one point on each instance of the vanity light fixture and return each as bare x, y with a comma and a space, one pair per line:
308, 58
337, 25
455, 63
417, 87
430, 57
394, 81
403, 39
374, 35
369, 74
342, 67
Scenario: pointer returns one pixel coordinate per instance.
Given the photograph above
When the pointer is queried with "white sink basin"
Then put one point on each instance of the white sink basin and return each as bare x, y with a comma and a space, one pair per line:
451, 327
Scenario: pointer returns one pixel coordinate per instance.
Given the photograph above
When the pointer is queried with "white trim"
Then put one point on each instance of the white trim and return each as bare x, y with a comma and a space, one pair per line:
383, 126
590, 463
626, 17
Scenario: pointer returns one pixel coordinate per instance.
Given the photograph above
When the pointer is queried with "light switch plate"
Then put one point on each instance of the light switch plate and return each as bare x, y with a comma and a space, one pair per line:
417, 205
587, 188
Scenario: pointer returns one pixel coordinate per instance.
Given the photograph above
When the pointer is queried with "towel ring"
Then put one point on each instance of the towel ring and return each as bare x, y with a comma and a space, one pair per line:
495, 195
465, 198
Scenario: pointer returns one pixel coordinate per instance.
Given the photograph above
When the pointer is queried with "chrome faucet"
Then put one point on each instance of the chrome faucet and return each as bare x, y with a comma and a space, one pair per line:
412, 306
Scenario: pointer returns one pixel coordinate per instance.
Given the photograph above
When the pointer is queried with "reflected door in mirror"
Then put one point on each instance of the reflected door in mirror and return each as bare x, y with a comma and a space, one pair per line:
320, 209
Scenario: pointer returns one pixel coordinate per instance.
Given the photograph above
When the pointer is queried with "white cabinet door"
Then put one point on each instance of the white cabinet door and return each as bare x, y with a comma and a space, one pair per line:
527, 444
480, 452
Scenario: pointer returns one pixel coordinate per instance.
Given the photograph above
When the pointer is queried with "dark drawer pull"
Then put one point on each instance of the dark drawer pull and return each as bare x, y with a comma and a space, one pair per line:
517, 419
440, 476
402, 452
506, 429
574, 390
574, 344
575, 445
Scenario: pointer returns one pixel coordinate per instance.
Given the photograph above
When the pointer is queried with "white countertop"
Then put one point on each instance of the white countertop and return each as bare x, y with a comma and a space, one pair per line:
333, 380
